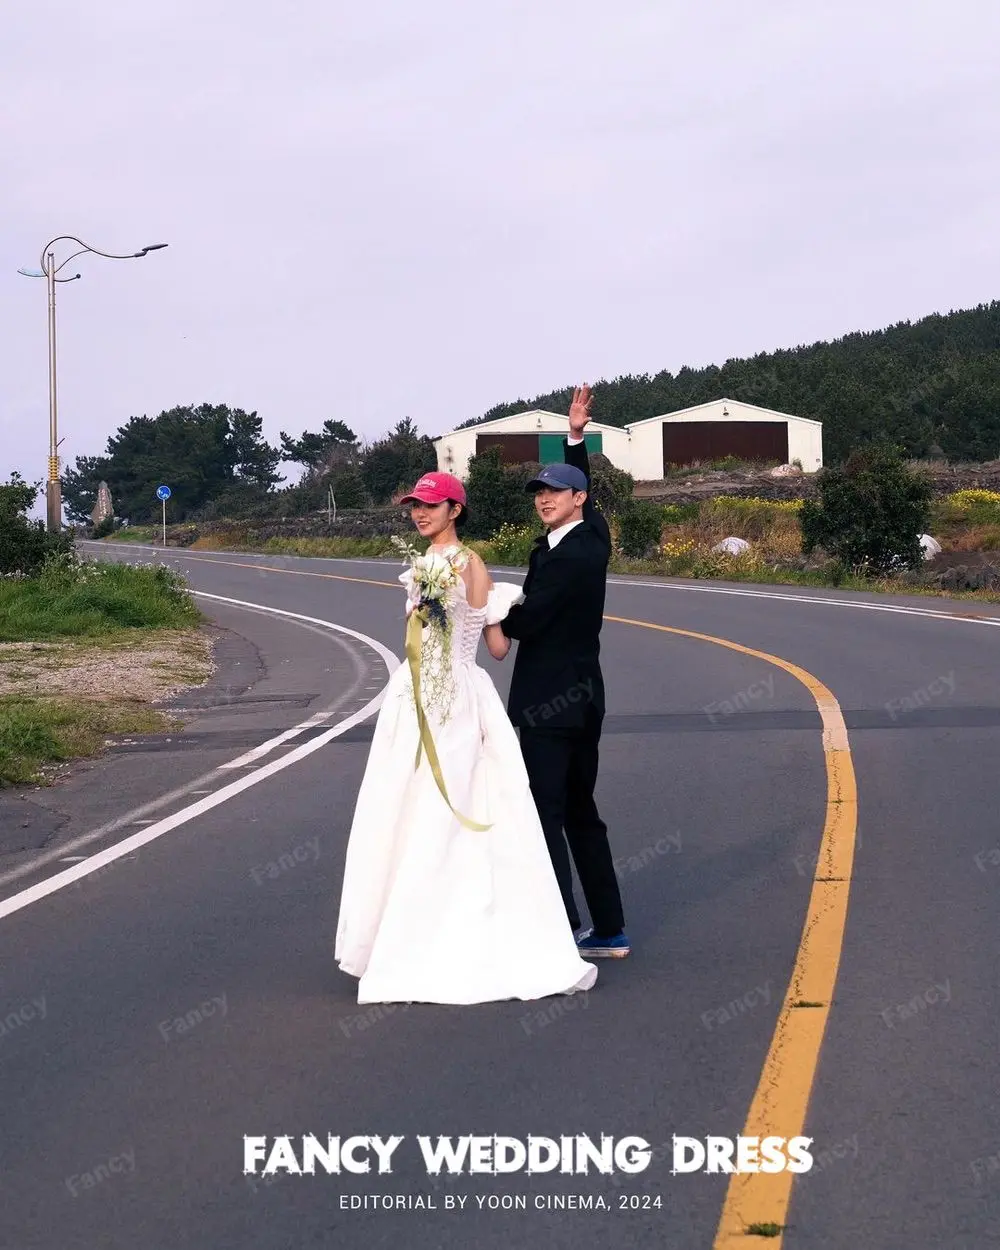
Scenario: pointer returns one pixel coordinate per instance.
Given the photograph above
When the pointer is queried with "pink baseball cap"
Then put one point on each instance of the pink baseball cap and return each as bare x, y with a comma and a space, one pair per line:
436, 488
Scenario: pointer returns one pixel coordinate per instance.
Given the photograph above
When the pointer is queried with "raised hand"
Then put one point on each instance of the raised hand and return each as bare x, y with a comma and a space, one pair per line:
579, 411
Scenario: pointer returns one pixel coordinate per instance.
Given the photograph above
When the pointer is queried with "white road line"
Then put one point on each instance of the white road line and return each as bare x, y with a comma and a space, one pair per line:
62, 879
832, 603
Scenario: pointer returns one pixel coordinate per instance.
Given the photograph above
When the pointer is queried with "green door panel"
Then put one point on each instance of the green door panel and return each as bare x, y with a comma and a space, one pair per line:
550, 447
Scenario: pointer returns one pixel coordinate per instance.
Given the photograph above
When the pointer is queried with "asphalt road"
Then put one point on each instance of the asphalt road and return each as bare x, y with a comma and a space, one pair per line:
155, 1011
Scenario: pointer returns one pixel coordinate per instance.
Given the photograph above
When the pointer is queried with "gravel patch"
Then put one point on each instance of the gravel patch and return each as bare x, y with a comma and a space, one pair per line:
140, 667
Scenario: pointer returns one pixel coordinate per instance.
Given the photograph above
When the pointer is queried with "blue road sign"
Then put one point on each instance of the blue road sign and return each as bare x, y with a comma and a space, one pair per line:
163, 492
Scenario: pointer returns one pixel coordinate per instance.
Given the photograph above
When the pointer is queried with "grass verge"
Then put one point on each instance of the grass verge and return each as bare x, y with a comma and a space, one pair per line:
39, 731
92, 597
84, 648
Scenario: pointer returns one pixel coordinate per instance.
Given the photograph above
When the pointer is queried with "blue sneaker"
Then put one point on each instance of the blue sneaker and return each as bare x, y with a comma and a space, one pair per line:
603, 948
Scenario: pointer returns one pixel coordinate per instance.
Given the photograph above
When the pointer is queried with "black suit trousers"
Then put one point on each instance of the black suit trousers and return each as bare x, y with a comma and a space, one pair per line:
562, 771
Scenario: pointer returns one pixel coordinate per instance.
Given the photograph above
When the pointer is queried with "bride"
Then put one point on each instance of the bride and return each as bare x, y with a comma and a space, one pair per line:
451, 899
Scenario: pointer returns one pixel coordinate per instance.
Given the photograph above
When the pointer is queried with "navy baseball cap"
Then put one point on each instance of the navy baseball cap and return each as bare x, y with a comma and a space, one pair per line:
559, 477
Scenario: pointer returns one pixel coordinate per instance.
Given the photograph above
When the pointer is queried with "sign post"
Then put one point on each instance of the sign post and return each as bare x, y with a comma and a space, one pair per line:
163, 494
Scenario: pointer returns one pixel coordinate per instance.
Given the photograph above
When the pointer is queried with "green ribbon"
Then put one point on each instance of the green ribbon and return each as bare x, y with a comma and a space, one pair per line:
414, 644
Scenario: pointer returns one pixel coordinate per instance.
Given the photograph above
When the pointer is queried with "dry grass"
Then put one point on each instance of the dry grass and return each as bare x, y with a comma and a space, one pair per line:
970, 538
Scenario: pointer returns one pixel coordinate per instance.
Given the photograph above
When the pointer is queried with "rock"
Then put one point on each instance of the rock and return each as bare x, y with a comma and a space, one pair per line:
785, 470
732, 546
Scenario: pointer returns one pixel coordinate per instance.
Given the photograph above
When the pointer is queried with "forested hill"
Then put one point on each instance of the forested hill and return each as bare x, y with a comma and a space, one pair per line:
932, 385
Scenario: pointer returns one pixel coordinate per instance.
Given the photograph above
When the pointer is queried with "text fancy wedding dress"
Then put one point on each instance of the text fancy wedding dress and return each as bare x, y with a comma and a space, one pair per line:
432, 911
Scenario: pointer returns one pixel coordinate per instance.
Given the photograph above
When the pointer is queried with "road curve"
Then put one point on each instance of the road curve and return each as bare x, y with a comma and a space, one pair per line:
156, 1011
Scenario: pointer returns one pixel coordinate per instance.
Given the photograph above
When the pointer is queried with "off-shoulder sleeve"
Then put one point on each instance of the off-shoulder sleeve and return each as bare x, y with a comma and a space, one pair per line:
411, 597
500, 600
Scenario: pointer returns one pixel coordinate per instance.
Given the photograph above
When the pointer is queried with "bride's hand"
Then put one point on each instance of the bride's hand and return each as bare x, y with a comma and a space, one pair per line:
497, 642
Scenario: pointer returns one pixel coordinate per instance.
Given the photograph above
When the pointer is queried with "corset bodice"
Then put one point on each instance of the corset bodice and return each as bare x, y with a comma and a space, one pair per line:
467, 628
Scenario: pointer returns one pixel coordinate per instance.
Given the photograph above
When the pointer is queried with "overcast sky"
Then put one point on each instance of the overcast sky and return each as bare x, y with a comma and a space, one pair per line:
385, 208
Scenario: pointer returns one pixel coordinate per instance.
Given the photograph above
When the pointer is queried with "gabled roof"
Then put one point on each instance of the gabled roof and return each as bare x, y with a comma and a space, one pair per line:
714, 403
520, 416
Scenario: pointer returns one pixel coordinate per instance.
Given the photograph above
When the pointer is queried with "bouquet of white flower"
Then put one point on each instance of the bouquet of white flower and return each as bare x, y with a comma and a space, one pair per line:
434, 577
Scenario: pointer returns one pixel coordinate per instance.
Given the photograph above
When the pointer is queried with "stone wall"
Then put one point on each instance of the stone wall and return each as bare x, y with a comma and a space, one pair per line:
946, 479
356, 523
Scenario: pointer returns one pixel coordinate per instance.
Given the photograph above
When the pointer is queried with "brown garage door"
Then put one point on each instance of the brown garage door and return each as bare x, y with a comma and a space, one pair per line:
687, 441
514, 448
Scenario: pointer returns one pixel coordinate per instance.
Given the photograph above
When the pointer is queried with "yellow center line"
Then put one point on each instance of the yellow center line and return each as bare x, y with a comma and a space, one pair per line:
782, 1098
781, 1101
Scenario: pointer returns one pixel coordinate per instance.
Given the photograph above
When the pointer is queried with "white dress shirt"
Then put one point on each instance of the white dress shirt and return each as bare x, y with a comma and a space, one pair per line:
557, 535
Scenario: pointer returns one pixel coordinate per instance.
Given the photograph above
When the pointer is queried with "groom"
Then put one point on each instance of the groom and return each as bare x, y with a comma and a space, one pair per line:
557, 691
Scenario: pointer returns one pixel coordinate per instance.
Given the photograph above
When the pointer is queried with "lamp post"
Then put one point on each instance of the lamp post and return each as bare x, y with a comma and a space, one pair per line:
50, 271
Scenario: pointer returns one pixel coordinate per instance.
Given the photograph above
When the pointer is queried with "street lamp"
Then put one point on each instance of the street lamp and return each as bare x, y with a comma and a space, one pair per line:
50, 271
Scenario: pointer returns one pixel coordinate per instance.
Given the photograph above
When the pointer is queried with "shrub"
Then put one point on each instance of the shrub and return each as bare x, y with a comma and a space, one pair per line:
639, 527
103, 529
611, 488
871, 511
496, 494
25, 545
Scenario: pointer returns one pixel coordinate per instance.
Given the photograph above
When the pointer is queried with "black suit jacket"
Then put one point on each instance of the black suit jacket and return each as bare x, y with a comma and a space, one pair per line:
557, 670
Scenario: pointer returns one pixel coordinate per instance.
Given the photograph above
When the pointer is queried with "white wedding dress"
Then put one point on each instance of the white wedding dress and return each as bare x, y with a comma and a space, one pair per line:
432, 911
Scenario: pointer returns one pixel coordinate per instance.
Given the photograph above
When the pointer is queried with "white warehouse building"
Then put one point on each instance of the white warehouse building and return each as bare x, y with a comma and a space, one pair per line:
723, 427
646, 449
528, 436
